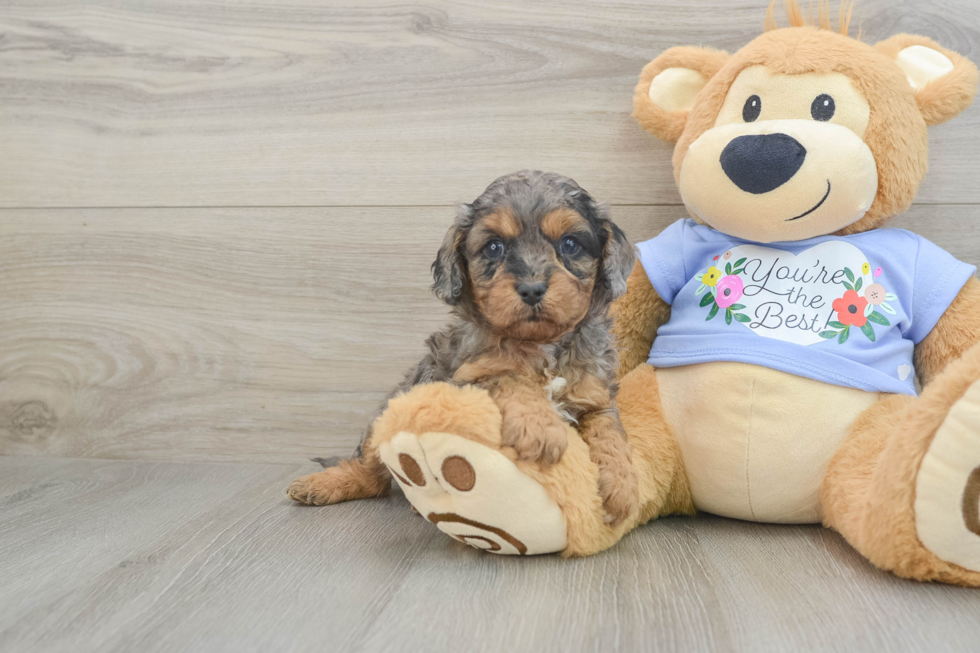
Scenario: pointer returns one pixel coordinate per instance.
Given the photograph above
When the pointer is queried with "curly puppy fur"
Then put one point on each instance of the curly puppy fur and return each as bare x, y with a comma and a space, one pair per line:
530, 269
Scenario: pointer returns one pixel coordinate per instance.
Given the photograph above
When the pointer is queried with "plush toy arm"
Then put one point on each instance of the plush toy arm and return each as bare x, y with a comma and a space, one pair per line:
957, 331
637, 316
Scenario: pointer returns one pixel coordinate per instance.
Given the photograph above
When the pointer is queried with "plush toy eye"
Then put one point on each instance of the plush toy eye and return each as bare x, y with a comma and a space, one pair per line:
494, 249
823, 108
752, 108
569, 246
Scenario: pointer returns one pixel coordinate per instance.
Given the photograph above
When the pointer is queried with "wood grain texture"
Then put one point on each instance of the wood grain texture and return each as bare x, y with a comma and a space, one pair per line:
260, 103
262, 335
185, 557
267, 333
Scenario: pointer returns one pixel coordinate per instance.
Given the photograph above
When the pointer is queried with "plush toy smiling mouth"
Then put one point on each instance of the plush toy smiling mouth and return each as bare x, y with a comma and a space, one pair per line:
815, 206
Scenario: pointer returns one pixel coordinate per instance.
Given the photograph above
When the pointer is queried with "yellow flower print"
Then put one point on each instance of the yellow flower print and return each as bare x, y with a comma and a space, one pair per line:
866, 268
712, 276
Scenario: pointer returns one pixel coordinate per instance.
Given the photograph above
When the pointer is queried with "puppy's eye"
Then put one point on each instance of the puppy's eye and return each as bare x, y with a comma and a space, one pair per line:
752, 108
569, 246
823, 108
494, 249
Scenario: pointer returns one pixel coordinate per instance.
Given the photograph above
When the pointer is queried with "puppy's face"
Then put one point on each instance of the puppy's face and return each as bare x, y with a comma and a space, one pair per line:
532, 279
532, 256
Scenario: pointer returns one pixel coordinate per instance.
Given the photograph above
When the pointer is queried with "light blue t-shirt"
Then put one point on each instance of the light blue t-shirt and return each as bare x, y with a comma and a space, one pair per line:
846, 310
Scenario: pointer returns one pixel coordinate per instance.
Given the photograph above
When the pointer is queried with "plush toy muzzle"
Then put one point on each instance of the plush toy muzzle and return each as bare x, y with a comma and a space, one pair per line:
779, 180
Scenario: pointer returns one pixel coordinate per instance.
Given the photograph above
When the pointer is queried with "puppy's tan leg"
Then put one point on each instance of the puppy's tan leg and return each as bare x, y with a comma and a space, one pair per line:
361, 478
609, 448
530, 423
610, 451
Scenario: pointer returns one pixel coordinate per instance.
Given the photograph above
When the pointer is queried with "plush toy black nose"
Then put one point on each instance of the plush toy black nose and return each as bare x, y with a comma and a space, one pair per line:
760, 163
531, 293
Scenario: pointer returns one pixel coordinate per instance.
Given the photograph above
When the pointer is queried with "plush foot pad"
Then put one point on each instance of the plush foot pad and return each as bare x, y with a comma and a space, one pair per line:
947, 492
475, 494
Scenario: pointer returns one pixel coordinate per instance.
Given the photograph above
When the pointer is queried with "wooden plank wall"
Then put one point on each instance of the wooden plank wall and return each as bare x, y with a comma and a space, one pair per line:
216, 218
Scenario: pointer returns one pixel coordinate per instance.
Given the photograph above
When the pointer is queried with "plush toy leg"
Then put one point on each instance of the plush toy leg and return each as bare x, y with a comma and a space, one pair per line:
904, 488
442, 444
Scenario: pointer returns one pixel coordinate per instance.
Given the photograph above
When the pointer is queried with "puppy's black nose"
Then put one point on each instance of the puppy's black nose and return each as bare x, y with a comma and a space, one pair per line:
760, 163
531, 293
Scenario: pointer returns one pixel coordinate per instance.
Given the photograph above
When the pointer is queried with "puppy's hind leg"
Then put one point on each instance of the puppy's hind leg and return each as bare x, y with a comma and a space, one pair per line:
358, 478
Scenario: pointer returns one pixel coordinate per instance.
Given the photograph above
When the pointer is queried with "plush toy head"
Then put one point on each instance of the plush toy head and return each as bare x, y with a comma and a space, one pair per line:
804, 131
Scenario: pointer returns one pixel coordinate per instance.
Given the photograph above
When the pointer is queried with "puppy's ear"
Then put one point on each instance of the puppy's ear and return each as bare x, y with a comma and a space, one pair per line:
618, 256
943, 81
449, 268
668, 87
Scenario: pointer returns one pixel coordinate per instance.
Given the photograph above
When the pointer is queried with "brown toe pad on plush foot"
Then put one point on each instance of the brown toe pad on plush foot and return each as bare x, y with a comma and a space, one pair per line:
947, 493
475, 494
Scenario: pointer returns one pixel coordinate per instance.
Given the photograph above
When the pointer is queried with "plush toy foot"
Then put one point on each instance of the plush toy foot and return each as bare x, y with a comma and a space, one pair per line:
947, 488
460, 481
475, 494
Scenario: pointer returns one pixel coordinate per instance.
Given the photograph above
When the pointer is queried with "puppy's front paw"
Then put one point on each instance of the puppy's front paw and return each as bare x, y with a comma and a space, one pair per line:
620, 492
536, 437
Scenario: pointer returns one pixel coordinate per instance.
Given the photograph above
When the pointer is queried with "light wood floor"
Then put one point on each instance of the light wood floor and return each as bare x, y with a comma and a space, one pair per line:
119, 555
216, 223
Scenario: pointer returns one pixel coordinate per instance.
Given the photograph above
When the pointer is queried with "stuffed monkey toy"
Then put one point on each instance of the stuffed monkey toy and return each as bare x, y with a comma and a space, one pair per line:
771, 342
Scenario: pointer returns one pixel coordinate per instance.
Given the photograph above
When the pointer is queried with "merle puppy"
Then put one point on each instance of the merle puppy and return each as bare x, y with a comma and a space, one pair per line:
529, 269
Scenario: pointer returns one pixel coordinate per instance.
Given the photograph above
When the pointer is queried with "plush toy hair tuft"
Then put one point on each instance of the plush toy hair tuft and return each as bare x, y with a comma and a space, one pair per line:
797, 19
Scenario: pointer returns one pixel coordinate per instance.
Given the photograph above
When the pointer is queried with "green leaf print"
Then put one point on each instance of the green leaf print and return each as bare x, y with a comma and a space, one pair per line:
827, 335
738, 271
835, 324
843, 335
739, 262
868, 331
737, 307
741, 317
728, 268
849, 274
878, 318
707, 299
847, 285
858, 283
728, 316
713, 312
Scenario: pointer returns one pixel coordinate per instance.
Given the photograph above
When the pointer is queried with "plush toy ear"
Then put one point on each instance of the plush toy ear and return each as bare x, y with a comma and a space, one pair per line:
668, 87
449, 268
944, 81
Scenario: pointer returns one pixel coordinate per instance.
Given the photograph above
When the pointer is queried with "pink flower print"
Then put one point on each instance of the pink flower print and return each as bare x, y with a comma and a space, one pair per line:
728, 291
877, 272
